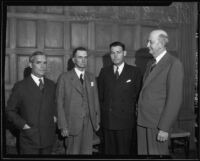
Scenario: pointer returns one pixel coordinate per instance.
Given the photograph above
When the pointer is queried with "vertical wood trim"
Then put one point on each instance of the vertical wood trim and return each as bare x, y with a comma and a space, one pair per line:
67, 35
40, 34
91, 36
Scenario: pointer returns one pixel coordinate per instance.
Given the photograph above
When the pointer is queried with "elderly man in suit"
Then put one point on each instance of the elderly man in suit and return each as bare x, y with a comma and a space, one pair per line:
119, 86
78, 105
31, 107
160, 97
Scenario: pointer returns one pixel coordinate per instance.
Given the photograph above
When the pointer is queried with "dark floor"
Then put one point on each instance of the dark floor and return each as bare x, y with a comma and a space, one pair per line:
177, 154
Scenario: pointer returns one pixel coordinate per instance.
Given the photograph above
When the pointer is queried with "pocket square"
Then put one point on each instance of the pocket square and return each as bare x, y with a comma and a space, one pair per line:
129, 80
92, 84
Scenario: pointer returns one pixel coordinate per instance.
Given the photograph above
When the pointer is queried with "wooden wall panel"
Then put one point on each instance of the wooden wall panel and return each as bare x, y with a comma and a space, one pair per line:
7, 69
26, 9
127, 36
54, 35
54, 9
54, 67
7, 33
103, 36
173, 34
79, 34
22, 63
26, 33
98, 64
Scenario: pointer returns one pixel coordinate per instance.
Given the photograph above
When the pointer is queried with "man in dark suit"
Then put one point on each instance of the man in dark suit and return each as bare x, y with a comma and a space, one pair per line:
119, 86
160, 97
31, 107
78, 105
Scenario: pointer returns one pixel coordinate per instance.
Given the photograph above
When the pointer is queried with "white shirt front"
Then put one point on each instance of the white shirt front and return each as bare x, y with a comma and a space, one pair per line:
78, 72
159, 57
120, 68
36, 79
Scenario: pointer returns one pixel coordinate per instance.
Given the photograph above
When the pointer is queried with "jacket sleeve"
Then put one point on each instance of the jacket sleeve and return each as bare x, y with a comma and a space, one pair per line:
97, 108
174, 92
13, 105
60, 97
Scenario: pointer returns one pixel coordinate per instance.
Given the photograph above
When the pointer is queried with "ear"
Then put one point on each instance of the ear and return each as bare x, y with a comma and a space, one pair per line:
73, 60
30, 65
125, 52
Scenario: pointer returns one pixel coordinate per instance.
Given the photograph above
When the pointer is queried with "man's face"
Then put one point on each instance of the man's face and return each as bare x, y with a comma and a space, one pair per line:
117, 55
80, 59
39, 65
153, 44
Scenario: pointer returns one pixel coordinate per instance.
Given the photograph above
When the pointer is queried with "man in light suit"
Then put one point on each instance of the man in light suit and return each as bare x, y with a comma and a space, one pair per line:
32, 109
78, 105
160, 97
119, 86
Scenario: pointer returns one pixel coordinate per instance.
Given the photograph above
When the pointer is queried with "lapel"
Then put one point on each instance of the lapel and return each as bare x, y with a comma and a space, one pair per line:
87, 84
76, 82
123, 73
159, 67
33, 86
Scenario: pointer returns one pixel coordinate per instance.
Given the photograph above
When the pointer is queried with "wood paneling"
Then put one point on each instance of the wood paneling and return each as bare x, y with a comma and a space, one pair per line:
103, 36
22, 63
7, 33
54, 9
26, 33
79, 34
54, 35
54, 67
7, 69
127, 36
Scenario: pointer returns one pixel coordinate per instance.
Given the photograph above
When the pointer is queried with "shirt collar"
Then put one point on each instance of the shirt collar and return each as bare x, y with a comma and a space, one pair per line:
120, 67
36, 79
78, 72
158, 58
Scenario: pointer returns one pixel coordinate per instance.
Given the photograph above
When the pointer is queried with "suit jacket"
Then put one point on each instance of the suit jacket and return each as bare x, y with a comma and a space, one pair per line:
118, 98
161, 95
69, 101
28, 105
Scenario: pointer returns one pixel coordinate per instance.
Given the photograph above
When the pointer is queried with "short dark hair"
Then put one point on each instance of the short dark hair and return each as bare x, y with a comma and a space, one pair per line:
78, 48
117, 43
34, 54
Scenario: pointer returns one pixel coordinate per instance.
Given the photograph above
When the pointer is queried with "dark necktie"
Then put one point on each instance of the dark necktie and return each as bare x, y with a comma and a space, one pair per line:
152, 65
81, 78
41, 85
117, 73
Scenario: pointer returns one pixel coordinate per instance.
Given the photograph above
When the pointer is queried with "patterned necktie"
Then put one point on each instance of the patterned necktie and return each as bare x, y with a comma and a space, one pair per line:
41, 85
117, 73
81, 78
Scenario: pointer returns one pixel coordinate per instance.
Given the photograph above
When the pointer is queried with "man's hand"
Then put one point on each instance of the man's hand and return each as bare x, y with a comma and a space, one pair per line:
162, 136
98, 127
64, 132
26, 127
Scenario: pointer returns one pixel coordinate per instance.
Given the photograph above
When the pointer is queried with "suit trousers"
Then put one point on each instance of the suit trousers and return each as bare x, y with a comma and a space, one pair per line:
81, 143
117, 142
148, 144
36, 151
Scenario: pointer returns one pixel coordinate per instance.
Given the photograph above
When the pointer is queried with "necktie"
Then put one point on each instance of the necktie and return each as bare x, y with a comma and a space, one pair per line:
152, 65
41, 85
81, 78
117, 73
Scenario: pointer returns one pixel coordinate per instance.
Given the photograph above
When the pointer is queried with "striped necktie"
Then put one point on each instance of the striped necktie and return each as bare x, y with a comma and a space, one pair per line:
41, 85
